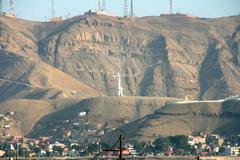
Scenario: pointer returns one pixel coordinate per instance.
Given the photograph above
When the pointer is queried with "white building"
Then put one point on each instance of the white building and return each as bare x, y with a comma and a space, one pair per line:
81, 114
192, 140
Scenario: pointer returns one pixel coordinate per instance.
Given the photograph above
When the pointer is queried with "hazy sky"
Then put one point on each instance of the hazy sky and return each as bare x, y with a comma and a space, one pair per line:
41, 9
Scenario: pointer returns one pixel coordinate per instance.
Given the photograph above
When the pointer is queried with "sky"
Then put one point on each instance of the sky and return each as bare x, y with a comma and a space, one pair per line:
40, 10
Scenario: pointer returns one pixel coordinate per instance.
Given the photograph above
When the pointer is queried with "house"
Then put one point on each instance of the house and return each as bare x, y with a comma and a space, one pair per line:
192, 140
232, 151
2, 153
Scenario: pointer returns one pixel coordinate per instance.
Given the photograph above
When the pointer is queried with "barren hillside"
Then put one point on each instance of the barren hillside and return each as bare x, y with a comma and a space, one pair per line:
186, 119
157, 56
161, 56
110, 111
22, 77
28, 112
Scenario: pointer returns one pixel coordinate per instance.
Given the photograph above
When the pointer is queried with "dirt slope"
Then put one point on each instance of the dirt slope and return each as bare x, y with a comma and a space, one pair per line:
101, 111
29, 112
186, 119
162, 56
22, 77
172, 56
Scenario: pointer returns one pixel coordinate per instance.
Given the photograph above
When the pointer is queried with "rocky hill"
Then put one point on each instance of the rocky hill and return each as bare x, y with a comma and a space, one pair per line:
55, 69
172, 56
187, 118
28, 112
108, 112
23, 77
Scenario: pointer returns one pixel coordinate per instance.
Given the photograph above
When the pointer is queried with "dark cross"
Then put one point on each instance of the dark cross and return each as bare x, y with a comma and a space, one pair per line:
120, 149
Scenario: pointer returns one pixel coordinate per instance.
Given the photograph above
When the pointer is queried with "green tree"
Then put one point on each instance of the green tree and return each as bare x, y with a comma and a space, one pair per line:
93, 147
58, 149
180, 142
37, 150
222, 150
161, 143
104, 145
76, 147
211, 140
140, 147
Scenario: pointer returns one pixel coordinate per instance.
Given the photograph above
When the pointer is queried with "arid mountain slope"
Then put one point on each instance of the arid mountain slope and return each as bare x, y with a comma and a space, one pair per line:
22, 77
164, 56
102, 111
173, 56
186, 119
28, 112
158, 56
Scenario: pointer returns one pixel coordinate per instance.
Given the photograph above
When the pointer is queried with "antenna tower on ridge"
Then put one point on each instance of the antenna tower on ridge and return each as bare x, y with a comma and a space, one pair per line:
53, 9
132, 13
125, 8
99, 6
103, 5
171, 7
1, 7
11, 6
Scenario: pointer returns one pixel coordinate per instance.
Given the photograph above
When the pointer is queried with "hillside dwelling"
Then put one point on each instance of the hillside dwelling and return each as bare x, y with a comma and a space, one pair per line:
57, 144
178, 14
192, 140
102, 12
2, 153
6, 119
90, 12
7, 126
101, 133
9, 15
56, 19
232, 151
11, 113
76, 124
105, 13
81, 114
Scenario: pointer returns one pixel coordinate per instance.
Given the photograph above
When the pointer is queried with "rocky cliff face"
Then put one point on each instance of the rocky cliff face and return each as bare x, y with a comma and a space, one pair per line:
157, 56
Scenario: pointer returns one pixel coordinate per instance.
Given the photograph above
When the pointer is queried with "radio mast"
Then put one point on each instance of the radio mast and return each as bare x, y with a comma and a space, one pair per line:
125, 8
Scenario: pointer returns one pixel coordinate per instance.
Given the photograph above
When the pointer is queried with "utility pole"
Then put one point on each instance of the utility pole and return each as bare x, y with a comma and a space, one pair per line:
125, 8
120, 149
120, 145
132, 13
17, 151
